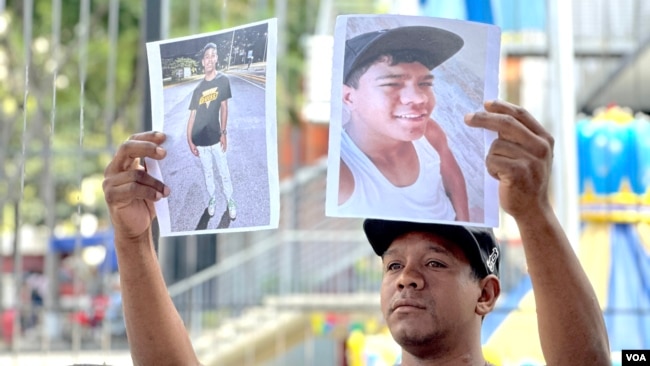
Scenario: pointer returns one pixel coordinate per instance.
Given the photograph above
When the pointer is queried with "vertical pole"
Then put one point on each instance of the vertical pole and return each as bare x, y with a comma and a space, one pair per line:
286, 254
109, 111
563, 105
164, 19
109, 117
153, 32
17, 262
28, 11
195, 11
224, 14
232, 45
281, 14
50, 302
84, 30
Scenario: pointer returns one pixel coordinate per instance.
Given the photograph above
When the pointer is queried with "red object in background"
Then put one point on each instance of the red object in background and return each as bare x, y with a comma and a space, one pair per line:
95, 316
30, 263
8, 325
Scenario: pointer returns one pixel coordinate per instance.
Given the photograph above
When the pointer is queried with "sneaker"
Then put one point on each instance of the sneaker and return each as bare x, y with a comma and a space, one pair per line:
211, 206
232, 209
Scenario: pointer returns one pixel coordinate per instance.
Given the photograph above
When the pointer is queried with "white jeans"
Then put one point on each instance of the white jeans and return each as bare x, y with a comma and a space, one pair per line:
208, 155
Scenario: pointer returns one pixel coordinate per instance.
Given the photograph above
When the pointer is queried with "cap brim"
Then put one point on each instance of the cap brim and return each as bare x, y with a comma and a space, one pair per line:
382, 233
439, 44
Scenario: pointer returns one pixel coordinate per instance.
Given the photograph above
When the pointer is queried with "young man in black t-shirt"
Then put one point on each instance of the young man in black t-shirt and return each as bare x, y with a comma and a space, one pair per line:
206, 128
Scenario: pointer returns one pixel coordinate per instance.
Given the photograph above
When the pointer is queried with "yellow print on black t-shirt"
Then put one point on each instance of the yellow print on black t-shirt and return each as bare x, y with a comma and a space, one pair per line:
208, 96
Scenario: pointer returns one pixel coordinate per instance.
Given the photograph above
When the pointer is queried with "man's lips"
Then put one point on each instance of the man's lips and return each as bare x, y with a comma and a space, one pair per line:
413, 116
407, 303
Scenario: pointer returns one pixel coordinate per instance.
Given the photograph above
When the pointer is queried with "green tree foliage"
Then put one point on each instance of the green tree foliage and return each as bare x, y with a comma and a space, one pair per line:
69, 136
66, 137
181, 62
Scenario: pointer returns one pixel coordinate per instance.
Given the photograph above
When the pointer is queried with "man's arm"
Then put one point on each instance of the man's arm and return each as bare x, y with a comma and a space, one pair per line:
190, 126
154, 328
452, 176
571, 326
223, 118
346, 182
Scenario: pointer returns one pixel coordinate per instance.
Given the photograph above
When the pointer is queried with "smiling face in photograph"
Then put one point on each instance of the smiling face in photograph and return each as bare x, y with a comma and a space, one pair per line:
209, 60
393, 101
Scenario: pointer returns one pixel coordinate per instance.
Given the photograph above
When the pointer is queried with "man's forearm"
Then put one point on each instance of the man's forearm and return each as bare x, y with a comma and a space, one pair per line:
223, 115
155, 330
571, 326
455, 186
224, 121
458, 197
190, 126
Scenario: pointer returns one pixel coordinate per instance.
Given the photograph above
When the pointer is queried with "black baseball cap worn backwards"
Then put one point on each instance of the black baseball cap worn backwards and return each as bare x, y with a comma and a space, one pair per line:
478, 243
437, 44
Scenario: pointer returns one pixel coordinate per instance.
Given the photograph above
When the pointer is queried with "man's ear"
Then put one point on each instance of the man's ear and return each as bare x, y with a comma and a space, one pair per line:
490, 291
348, 95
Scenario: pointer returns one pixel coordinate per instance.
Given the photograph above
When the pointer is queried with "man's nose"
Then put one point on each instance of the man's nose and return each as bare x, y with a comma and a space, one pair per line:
412, 94
410, 277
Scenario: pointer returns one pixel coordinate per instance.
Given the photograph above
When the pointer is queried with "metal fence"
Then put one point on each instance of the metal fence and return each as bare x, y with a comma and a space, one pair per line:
319, 255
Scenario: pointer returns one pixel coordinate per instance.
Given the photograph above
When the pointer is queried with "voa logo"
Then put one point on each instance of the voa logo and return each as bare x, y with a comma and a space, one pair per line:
636, 357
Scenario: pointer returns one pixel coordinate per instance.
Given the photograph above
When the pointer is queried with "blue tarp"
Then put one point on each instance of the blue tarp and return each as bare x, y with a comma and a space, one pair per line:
627, 315
510, 15
67, 244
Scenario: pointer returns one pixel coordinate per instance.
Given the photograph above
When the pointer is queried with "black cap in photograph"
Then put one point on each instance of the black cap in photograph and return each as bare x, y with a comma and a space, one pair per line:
478, 243
437, 44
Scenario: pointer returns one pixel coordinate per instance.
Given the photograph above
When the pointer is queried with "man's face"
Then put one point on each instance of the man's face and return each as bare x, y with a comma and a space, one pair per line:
392, 101
209, 60
428, 292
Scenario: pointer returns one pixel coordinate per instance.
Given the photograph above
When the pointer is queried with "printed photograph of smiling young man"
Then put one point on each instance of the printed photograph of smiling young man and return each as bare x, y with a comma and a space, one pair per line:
399, 147
217, 108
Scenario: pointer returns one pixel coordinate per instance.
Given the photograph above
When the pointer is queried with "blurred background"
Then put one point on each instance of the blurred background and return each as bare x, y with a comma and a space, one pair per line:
74, 85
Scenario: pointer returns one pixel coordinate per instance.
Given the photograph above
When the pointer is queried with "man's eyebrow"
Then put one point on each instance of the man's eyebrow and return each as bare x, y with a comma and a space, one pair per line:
402, 76
434, 248
439, 249
389, 77
387, 252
